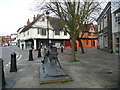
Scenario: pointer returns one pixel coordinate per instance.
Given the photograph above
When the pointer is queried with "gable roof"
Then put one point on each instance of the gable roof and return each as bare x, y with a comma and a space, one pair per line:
104, 11
29, 25
86, 27
54, 22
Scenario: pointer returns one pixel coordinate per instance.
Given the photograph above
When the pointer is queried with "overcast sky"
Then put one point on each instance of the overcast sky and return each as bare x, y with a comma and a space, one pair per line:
14, 14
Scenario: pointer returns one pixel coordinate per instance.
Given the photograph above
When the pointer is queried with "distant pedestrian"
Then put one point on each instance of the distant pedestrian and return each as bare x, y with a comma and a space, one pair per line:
22, 46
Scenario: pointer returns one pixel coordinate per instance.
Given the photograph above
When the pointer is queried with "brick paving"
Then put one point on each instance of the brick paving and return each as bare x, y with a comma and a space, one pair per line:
96, 69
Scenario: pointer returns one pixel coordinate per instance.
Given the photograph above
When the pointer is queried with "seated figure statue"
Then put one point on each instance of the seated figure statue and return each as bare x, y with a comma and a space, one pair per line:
51, 64
50, 52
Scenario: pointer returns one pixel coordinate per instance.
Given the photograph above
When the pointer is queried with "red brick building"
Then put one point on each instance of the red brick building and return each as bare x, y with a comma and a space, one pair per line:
4, 40
88, 37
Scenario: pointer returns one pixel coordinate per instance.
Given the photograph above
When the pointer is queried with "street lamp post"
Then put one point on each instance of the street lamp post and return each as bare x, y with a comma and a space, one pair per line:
47, 13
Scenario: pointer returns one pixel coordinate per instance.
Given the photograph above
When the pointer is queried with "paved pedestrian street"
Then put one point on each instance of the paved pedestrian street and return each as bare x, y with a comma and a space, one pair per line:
95, 69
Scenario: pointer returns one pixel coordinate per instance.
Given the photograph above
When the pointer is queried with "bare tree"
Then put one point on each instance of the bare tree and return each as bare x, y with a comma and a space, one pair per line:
73, 15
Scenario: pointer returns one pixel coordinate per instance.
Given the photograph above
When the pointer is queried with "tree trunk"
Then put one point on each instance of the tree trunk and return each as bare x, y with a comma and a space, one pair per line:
82, 49
73, 49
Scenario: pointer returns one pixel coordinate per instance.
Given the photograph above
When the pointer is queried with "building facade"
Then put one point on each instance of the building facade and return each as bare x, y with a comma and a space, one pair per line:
13, 41
5, 40
89, 37
41, 31
115, 10
105, 29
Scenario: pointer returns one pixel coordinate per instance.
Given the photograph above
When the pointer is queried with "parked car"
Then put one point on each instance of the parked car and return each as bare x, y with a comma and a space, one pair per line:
5, 44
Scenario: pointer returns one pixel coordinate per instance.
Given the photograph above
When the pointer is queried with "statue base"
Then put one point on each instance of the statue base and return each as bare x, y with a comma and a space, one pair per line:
53, 75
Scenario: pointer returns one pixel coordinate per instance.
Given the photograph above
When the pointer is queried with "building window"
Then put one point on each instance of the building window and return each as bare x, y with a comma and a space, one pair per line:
101, 24
24, 34
117, 18
65, 32
117, 45
105, 21
105, 41
28, 33
57, 32
98, 27
92, 34
43, 19
38, 31
86, 42
89, 33
43, 31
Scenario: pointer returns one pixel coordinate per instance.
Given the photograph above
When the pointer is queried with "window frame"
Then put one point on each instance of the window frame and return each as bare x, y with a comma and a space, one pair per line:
65, 33
42, 19
43, 31
38, 31
56, 33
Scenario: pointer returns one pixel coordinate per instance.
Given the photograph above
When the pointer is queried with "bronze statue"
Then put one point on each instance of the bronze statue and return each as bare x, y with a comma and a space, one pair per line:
51, 64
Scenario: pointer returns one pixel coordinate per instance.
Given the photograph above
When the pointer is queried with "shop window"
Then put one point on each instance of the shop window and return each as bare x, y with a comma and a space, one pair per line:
93, 44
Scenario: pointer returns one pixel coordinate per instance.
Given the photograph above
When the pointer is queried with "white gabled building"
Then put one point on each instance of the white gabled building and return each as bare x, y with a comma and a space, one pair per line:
35, 34
13, 41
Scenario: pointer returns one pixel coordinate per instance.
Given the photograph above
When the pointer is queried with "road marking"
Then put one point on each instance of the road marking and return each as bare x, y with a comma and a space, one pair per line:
19, 57
7, 64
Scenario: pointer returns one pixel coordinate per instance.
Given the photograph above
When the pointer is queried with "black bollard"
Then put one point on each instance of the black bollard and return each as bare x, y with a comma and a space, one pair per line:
13, 66
30, 55
3, 76
39, 52
61, 49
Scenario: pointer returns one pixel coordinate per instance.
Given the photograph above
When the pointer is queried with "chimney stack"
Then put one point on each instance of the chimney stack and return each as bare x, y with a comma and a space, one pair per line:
28, 22
34, 18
